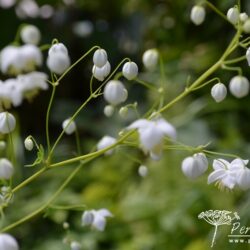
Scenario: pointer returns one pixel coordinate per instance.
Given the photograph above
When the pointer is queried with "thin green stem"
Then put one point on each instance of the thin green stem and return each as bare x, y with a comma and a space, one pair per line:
48, 114
220, 154
217, 11
237, 69
145, 84
206, 83
76, 62
235, 60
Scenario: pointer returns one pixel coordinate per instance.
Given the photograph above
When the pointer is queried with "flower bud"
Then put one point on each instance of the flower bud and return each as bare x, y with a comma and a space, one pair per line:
6, 169
248, 56
74, 245
87, 218
143, 171
30, 34
243, 17
150, 59
8, 242
194, 166
239, 86
58, 59
28, 143
219, 92
130, 70
123, 112
246, 26
7, 122
101, 73
109, 110
115, 92
233, 15
69, 127
105, 142
243, 178
100, 58
198, 14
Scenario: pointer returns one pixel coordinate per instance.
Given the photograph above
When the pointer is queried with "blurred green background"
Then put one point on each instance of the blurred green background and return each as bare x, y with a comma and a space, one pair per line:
160, 211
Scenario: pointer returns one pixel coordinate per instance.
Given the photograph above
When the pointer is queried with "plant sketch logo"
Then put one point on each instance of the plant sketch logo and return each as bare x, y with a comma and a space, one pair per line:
218, 218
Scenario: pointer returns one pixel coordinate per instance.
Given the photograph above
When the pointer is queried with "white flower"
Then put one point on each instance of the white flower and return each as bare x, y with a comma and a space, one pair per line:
219, 92
109, 110
30, 34
195, 166
83, 28
130, 70
101, 73
243, 17
58, 59
246, 26
100, 58
98, 218
143, 171
28, 143
6, 169
239, 86
7, 3
223, 174
115, 92
105, 142
74, 245
152, 134
69, 126
233, 15
7, 122
198, 14
150, 59
87, 218
8, 242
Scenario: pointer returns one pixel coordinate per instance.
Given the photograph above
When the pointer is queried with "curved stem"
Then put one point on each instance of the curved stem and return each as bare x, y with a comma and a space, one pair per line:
48, 114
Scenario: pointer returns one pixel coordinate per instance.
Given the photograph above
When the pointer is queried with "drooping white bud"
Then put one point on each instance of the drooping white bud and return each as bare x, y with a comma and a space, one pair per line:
194, 166
198, 14
7, 122
105, 142
115, 92
150, 59
248, 56
108, 110
58, 59
130, 70
246, 26
243, 178
101, 73
219, 92
243, 17
100, 58
239, 86
69, 127
28, 143
30, 34
123, 112
74, 245
143, 171
8, 242
6, 169
233, 15
87, 218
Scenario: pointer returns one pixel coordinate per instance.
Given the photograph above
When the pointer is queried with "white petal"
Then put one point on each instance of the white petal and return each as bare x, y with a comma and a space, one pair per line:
141, 123
150, 137
220, 164
99, 222
104, 212
216, 175
166, 128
